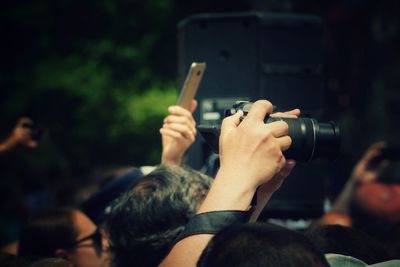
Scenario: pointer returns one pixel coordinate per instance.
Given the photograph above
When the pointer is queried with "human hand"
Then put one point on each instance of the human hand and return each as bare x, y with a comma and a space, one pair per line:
20, 135
266, 190
252, 150
277, 180
178, 133
362, 172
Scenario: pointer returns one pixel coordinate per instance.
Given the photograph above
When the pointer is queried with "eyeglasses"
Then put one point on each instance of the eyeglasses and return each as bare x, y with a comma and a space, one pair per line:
97, 238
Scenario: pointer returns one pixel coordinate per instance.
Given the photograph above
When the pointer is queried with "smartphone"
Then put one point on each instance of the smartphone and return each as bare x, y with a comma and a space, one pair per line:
191, 84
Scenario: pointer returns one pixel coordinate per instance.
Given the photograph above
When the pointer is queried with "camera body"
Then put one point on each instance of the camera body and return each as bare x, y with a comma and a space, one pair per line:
310, 138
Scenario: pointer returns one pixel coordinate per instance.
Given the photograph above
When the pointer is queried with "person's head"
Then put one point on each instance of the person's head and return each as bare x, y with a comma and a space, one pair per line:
65, 233
348, 241
248, 245
144, 221
380, 200
375, 210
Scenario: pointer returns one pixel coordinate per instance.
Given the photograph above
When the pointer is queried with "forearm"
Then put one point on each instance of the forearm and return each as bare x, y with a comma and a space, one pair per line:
167, 159
225, 195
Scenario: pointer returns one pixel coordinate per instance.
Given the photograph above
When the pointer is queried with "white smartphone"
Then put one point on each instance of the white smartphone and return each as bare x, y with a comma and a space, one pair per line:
191, 84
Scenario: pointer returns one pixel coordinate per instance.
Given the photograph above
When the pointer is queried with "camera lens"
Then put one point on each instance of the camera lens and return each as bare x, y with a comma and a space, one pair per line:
311, 139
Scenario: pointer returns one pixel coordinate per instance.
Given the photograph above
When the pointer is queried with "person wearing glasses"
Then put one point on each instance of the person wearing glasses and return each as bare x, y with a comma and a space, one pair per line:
67, 233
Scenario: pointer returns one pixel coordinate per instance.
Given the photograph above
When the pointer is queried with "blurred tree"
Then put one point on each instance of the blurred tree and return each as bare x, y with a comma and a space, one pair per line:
97, 75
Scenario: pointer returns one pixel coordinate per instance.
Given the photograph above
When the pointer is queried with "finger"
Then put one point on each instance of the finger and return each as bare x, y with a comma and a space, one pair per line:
193, 105
183, 129
179, 111
258, 111
231, 122
170, 133
282, 115
287, 169
294, 113
284, 142
180, 120
177, 135
374, 151
278, 128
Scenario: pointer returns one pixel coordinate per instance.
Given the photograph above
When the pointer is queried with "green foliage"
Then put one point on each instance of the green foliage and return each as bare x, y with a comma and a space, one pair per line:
98, 75
102, 106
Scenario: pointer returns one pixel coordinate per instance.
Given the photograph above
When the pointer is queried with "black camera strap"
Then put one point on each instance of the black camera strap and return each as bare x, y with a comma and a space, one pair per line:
212, 222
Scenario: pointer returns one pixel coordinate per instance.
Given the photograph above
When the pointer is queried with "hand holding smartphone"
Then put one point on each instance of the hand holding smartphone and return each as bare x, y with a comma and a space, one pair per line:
191, 84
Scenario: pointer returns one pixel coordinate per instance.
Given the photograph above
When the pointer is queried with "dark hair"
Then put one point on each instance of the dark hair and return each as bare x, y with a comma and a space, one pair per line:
9, 260
144, 221
348, 241
261, 244
381, 229
45, 232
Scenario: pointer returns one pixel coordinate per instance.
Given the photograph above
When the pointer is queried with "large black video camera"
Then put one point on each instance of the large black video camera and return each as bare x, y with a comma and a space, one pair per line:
310, 138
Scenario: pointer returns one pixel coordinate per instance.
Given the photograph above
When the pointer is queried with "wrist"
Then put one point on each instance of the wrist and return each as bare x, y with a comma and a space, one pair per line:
168, 159
228, 192
237, 178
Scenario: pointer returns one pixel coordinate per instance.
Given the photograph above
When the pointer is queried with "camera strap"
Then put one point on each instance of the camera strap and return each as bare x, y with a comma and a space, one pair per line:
212, 222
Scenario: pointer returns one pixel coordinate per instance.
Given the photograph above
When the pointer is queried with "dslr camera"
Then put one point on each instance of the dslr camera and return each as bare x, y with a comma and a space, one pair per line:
310, 139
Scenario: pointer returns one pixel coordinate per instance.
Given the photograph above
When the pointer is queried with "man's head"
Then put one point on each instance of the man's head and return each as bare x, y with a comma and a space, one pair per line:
144, 221
249, 245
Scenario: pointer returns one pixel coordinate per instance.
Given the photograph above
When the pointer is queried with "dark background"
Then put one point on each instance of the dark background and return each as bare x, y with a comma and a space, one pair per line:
99, 75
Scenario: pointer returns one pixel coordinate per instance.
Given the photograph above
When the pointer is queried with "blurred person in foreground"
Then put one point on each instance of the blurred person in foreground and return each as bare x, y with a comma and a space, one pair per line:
368, 204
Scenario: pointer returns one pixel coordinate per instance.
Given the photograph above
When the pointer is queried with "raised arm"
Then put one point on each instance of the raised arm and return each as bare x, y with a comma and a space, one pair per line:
251, 155
362, 173
178, 133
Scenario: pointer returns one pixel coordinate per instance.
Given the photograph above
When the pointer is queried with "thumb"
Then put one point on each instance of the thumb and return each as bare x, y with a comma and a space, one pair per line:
193, 105
231, 122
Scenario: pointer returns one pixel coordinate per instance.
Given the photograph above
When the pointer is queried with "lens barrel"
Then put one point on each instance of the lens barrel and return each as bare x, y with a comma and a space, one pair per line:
310, 139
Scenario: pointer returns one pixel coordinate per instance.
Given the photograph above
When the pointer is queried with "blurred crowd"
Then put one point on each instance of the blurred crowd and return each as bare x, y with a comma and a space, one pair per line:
172, 215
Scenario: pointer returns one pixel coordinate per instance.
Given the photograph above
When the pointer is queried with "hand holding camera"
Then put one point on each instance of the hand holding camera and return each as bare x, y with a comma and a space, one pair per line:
310, 138
252, 148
